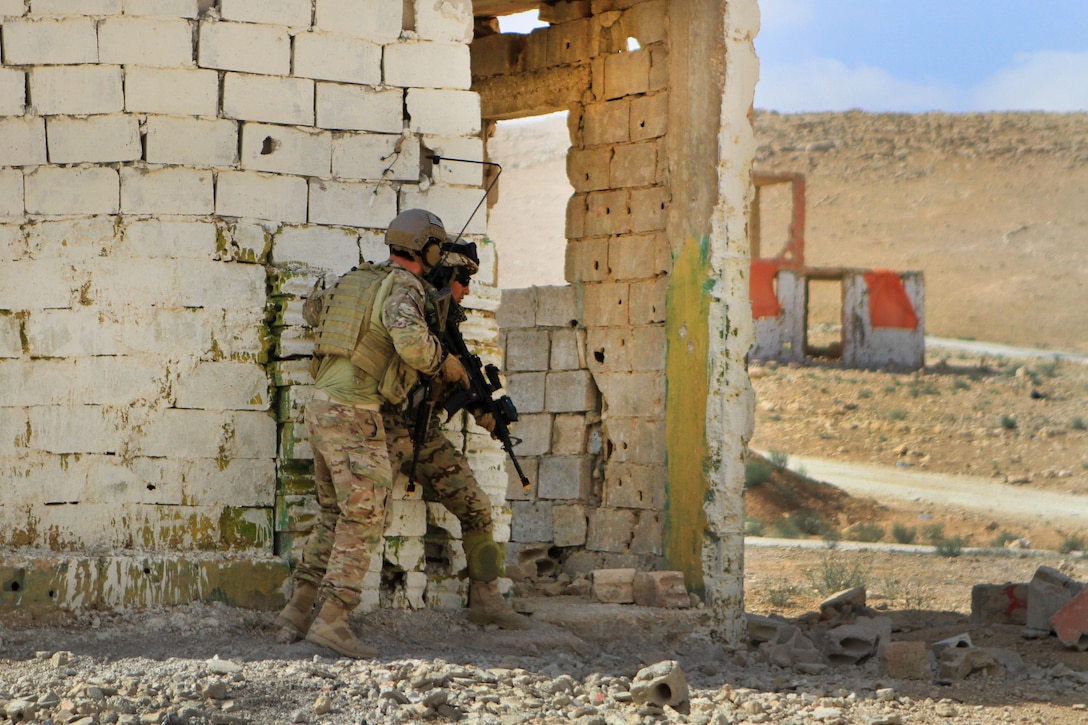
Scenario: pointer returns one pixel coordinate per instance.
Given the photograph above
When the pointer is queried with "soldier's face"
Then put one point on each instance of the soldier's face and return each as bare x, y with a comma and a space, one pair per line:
458, 290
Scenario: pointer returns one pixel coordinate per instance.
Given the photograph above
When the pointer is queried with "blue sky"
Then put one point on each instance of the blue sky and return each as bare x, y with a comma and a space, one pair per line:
919, 55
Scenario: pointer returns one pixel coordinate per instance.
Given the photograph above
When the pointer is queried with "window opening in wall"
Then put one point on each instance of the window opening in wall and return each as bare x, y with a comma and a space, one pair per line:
633, 45
823, 318
523, 23
527, 219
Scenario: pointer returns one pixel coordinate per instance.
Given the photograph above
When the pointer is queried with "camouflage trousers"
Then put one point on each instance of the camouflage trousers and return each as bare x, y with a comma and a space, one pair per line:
443, 471
352, 479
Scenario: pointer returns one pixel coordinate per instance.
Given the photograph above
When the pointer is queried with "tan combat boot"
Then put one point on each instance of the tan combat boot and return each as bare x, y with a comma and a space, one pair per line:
295, 617
332, 629
487, 606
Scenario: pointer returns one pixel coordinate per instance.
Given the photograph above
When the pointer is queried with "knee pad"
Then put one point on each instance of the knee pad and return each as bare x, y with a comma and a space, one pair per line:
485, 557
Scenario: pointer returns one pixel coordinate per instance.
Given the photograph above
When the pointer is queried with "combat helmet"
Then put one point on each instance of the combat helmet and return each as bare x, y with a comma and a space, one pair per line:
419, 233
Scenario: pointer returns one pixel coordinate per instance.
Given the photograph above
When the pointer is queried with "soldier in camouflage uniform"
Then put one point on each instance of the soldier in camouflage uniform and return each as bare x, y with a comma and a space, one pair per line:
444, 471
373, 343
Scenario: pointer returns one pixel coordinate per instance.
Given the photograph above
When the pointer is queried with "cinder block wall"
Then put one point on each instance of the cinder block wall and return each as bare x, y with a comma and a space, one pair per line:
175, 176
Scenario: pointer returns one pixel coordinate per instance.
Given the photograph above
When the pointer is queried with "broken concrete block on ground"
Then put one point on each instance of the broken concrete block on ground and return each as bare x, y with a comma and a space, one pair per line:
665, 589
959, 663
661, 684
1048, 591
959, 640
849, 644
907, 660
613, 586
999, 603
764, 629
1070, 622
790, 648
842, 607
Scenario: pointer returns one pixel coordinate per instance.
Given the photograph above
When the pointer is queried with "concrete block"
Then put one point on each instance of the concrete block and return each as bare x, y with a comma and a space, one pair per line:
236, 288
72, 240
999, 603
611, 529
569, 434
649, 116
337, 57
172, 91
12, 92
449, 21
565, 477
607, 304
452, 205
515, 489
568, 525
50, 41
376, 20
75, 7
527, 391
191, 141
168, 8
499, 54
961, 663
76, 90
70, 333
351, 204
608, 213
570, 43
292, 13
271, 99
588, 169
586, 261
570, 391
534, 430
907, 661
153, 238
637, 256
146, 41
662, 589
406, 518
94, 139
11, 207
261, 196
76, 429
223, 386
527, 350
633, 165
607, 123
850, 644
166, 191
517, 308
22, 141
286, 150
631, 395
75, 190
648, 301
1070, 622
12, 240
428, 65
36, 284
453, 173
557, 306
637, 439
333, 249
359, 108
626, 74
567, 349
447, 112
375, 157
647, 209
635, 486
243, 482
405, 553
613, 586
245, 47
1048, 591
11, 345
532, 521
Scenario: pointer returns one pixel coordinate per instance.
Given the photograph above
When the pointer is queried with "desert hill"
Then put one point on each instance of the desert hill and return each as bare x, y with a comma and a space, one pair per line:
993, 208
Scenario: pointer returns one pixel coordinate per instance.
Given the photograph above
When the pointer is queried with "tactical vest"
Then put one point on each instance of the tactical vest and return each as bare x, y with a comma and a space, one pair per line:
351, 326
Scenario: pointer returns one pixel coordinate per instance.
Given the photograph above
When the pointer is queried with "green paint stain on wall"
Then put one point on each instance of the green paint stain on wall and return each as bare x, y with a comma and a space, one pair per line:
687, 385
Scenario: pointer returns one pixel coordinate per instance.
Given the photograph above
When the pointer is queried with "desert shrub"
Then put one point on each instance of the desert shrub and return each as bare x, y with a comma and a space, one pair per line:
948, 547
1049, 368
757, 472
1006, 421
1078, 423
864, 393
753, 527
807, 522
897, 414
868, 532
784, 528
837, 571
961, 384
904, 534
779, 459
1003, 538
933, 532
782, 596
1073, 542
802, 471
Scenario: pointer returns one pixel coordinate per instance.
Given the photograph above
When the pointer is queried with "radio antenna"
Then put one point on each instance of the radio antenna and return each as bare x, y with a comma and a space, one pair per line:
436, 158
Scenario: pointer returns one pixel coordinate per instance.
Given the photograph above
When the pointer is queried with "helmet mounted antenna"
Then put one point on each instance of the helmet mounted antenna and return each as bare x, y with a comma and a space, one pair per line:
436, 158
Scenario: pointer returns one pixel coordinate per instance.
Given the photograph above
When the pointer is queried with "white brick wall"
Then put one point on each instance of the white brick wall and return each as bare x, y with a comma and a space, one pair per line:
293, 13
243, 482
324, 247
76, 90
447, 21
58, 190
178, 8
146, 41
75, 7
92, 139
49, 41
337, 57
352, 204
11, 202
85, 381
223, 386
12, 7
154, 238
286, 150
10, 346
359, 108
12, 92
428, 65
166, 191
449, 113
245, 47
261, 196
72, 240
76, 429
191, 141
268, 98
71, 333
179, 92
235, 287
456, 173
375, 20
376, 157
22, 141
39, 284
452, 205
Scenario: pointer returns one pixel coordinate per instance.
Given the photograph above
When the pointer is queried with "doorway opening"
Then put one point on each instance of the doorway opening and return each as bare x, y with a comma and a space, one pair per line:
823, 315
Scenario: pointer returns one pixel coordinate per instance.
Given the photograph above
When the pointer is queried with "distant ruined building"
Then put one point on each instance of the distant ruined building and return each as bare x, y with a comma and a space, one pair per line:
177, 175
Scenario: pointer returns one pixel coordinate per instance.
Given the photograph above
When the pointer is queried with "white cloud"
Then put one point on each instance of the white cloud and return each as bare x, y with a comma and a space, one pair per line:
785, 14
1042, 81
830, 85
